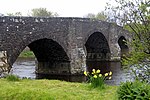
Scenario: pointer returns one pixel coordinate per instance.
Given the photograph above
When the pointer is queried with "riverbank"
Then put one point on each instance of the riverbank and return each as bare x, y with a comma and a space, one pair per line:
52, 90
26, 54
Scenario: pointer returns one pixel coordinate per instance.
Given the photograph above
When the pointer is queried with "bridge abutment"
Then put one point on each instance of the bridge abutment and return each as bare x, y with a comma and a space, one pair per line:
4, 66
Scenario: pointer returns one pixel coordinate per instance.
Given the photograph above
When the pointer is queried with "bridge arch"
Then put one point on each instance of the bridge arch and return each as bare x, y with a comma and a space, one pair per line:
48, 50
98, 52
51, 57
116, 35
123, 46
28, 38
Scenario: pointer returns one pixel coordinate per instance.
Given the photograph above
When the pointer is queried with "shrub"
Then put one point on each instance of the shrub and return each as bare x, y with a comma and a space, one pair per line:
12, 78
96, 79
134, 91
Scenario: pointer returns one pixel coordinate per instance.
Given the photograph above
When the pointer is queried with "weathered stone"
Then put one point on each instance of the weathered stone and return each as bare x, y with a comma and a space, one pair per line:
3, 62
61, 41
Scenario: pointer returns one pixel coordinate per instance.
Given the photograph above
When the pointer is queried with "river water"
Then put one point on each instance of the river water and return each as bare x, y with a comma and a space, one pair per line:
26, 68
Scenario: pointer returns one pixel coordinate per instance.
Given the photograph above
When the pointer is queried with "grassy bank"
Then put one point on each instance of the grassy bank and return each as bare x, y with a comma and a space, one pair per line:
27, 53
52, 90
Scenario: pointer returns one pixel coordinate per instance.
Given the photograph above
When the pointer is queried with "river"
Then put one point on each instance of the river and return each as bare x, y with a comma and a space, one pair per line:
26, 68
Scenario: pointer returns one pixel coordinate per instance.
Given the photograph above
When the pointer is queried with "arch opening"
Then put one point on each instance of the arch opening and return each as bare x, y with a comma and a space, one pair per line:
51, 57
24, 66
98, 52
50, 60
123, 46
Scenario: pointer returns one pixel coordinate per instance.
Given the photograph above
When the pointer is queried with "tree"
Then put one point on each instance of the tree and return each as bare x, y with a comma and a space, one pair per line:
15, 14
99, 16
134, 15
42, 12
90, 15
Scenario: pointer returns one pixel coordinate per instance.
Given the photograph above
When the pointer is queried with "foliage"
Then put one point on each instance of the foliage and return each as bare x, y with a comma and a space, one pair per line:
12, 78
134, 15
134, 91
42, 12
96, 79
52, 90
15, 14
100, 16
26, 53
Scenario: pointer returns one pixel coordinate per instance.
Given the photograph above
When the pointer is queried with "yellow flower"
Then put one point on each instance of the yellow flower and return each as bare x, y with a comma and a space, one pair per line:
100, 75
110, 73
106, 74
98, 71
93, 71
109, 78
95, 76
85, 73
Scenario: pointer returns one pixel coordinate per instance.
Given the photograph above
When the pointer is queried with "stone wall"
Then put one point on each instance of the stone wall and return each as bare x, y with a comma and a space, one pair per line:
3, 62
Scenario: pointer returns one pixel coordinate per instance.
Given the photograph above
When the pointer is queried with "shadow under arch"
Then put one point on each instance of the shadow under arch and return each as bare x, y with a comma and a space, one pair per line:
123, 46
51, 59
98, 52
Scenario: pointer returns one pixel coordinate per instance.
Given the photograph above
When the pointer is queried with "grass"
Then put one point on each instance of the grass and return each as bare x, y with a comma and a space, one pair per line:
27, 53
52, 90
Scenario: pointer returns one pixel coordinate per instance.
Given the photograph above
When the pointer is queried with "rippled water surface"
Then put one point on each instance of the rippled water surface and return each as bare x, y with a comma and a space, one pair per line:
26, 68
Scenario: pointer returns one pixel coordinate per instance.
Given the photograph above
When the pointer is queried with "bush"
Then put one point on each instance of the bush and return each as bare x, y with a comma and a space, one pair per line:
96, 79
12, 78
134, 91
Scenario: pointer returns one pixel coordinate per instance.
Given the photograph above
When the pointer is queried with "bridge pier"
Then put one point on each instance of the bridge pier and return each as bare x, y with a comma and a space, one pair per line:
76, 65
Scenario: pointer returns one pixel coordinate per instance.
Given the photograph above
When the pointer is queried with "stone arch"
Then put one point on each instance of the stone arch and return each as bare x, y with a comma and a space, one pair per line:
51, 57
95, 30
98, 52
43, 50
123, 46
28, 38
115, 33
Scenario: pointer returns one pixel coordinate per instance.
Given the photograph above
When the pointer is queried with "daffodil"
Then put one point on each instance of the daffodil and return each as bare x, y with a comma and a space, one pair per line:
109, 78
85, 73
100, 75
98, 71
95, 76
106, 74
110, 73
93, 71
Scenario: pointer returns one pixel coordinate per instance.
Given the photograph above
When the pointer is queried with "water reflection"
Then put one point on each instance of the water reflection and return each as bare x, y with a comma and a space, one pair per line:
104, 66
69, 78
26, 68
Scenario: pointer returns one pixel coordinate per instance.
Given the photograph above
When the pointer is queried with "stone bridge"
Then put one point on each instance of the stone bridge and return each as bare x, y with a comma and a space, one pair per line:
62, 45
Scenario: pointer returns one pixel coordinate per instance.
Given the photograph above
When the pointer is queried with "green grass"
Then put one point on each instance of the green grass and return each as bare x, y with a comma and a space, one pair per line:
26, 53
52, 90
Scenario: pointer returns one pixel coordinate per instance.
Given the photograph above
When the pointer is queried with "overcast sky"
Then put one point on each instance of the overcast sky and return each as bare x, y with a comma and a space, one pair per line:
65, 8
